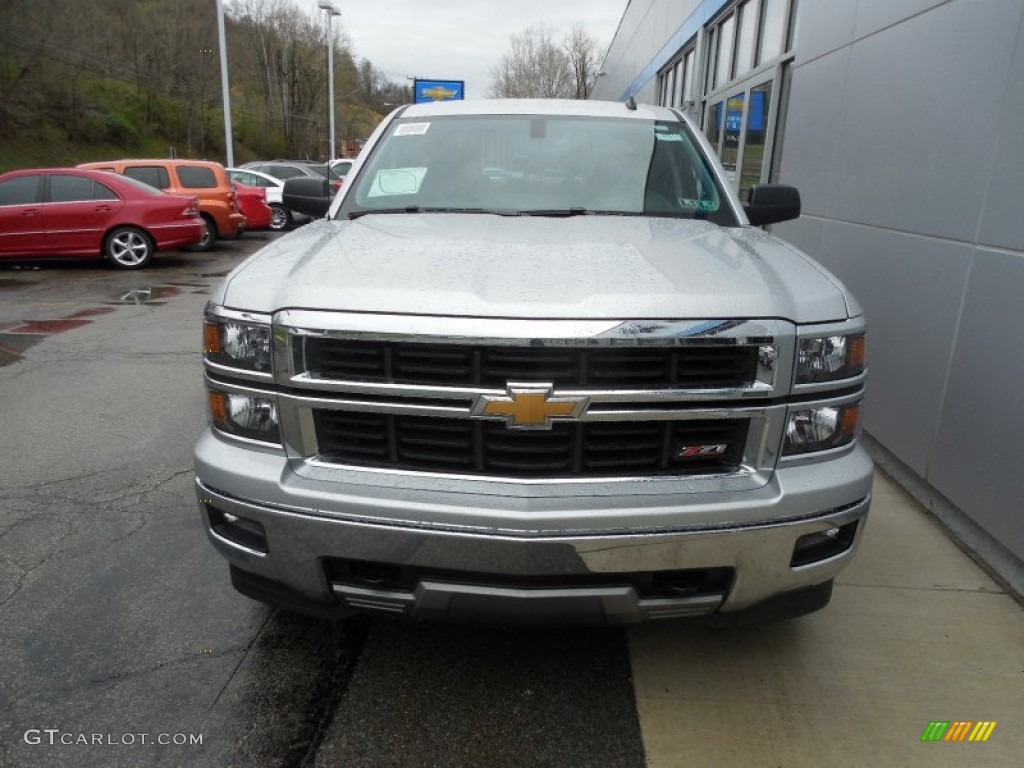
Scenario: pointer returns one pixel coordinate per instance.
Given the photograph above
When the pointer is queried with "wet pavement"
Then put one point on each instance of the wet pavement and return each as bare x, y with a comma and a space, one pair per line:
119, 629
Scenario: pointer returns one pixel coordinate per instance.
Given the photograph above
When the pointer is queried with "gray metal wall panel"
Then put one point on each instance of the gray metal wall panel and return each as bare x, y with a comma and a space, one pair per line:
911, 288
645, 28
977, 460
875, 15
825, 25
813, 126
904, 137
913, 157
1002, 223
805, 233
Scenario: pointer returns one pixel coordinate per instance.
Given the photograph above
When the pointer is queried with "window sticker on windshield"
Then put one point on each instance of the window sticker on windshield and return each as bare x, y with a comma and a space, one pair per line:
686, 202
397, 181
668, 136
707, 205
412, 129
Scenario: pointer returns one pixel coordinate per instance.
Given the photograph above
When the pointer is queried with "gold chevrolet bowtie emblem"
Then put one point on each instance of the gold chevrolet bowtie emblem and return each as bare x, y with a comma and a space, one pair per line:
439, 93
529, 406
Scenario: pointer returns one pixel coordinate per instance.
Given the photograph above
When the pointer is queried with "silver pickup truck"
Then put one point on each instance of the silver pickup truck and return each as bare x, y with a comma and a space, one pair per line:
536, 364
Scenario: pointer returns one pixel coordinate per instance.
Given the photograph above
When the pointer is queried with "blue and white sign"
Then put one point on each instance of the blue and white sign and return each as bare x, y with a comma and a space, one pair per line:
438, 90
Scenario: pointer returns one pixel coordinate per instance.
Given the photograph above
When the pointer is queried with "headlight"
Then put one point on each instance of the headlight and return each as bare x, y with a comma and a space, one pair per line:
245, 416
237, 345
830, 358
820, 428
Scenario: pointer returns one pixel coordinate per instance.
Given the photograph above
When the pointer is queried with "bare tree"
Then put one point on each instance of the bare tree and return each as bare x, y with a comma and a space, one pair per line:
584, 57
535, 67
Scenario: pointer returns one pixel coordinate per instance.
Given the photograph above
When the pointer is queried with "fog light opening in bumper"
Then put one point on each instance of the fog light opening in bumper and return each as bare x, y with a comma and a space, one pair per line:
822, 545
240, 531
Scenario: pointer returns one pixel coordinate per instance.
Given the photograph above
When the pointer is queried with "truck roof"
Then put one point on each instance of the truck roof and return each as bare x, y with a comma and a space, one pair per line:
574, 107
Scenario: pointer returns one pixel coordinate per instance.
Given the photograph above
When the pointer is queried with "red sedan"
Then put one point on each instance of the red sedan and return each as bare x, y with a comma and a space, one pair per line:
75, 212
252, 201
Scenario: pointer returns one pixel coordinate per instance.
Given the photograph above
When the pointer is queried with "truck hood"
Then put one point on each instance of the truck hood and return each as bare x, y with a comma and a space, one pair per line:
580, 267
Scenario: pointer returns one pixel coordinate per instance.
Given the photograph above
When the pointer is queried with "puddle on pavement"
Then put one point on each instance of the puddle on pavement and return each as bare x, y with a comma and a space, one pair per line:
92, 312
46, 327
15, 341
222, 273
148, 295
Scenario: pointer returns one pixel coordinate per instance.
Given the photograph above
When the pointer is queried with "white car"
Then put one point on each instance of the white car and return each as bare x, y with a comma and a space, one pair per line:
342, 166
281, 217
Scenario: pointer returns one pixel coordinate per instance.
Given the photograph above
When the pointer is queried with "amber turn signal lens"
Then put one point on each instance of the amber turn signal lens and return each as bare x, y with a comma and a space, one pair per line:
211, 339
858, 353
849, 421
219, 407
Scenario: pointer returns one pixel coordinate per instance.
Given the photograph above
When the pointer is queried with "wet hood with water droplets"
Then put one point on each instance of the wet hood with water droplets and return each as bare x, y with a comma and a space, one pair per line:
581, 267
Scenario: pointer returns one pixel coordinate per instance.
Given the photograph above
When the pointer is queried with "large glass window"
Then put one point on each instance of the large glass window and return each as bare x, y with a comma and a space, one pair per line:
773, 30
543, 165
731, 134
688, 76
677, 84
723, 67
746, 36
747, 54
758, 119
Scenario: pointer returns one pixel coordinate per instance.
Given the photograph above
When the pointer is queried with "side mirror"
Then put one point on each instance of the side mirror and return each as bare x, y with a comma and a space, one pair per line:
772, 203
309, 196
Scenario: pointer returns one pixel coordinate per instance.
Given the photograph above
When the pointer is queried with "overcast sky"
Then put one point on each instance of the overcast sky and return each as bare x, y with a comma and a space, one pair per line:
459, 39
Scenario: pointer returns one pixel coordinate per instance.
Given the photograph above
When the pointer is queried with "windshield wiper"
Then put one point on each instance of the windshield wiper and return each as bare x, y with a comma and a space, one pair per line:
558, 212
429, 209
566, 212
406, 209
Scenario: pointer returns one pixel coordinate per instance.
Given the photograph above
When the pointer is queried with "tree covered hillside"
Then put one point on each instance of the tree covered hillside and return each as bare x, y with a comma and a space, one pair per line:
93, 79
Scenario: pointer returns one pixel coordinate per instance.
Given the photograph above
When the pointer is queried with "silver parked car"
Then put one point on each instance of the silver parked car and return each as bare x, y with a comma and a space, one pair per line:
509, 379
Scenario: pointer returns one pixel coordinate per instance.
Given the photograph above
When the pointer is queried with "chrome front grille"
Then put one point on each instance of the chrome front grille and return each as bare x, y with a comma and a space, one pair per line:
439, 401
462, 365
568, 450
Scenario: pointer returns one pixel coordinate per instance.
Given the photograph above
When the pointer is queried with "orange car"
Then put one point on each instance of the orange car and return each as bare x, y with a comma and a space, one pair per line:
218, 203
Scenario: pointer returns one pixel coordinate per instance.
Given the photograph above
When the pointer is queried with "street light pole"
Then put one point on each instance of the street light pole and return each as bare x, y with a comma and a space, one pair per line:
332, 11
225, 89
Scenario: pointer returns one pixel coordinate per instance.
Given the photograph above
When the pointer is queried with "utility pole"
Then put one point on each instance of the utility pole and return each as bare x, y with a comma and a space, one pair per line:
225, 88
331, 11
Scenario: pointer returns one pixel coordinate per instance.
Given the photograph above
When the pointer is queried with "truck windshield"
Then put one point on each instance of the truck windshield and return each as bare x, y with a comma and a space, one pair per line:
540, 165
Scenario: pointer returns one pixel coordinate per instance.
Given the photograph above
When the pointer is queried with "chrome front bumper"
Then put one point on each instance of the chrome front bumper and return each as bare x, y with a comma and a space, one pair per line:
305, 528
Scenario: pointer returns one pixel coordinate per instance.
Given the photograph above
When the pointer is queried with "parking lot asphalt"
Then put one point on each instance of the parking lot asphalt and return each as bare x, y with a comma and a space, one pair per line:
118, 625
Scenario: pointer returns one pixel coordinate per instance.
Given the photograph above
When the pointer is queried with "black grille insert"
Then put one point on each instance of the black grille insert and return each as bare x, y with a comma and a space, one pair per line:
456, 365
568, 449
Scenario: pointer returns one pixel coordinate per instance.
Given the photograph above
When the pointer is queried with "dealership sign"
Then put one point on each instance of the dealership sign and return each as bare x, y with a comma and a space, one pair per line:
438, 90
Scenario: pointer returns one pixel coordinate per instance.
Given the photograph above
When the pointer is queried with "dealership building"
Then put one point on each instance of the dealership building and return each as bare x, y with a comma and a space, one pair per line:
901, 122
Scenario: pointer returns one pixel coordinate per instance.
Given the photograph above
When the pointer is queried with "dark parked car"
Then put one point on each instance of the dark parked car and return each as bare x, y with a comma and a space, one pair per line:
73, 212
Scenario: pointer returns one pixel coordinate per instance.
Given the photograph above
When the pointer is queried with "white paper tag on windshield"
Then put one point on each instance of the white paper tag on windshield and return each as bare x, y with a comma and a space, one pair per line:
412, 129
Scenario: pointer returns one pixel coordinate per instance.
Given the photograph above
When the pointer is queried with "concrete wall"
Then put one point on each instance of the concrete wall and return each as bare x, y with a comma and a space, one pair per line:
905, 135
